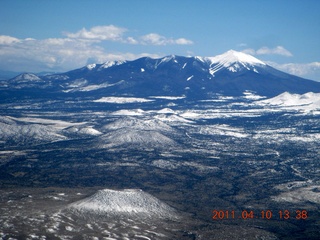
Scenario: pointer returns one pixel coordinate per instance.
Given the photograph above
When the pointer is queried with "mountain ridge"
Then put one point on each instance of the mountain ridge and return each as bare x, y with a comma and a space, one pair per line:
231, 73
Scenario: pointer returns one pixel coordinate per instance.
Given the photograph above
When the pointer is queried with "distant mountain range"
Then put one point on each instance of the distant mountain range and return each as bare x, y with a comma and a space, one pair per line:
231, 73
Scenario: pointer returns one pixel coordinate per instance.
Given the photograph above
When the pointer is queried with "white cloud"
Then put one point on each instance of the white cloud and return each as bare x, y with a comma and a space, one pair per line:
305, 70
56, 54
183, 41
156, 39
279, 50
114, 33
4, 40
74, 50
131, 40
39, 55
249, 51
100, 33
242, 45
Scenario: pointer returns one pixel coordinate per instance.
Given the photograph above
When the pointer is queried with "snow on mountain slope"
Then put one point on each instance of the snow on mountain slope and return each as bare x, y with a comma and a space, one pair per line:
232, 56
26, 77
140, 124
127, 203
91, 87
111, 63
91, 66
58, 124
138, 132
85, 130
104, 65
307, 102
22, 134
173, 119
223, 130
30, 130
233, 61
136, 138
301, 192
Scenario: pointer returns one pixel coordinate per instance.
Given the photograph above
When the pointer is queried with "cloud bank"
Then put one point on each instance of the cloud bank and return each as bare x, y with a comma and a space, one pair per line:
305, 70
74, 49
118, 34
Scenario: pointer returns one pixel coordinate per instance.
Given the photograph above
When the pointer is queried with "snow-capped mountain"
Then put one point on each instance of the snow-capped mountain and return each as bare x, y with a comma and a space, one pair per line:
230, 73
234, 62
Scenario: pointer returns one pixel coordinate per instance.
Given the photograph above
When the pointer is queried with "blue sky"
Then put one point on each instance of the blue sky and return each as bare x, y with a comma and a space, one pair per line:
61, 35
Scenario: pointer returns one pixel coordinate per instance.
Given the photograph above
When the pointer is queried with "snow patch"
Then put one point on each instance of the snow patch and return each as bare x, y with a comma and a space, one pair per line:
191, 115
126, 112
223, 129
300, 195
169, 97
166, 110
172, 118
112, 63
90, 131
252, 96
95, 87
189, 78
122, 100
79, 86
91, 66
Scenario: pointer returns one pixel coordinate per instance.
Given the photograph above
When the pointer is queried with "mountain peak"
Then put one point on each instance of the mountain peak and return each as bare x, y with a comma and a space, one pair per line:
231, 57
234, 61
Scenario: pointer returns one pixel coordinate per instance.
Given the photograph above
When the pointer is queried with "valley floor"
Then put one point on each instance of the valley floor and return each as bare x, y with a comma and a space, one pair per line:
228, 169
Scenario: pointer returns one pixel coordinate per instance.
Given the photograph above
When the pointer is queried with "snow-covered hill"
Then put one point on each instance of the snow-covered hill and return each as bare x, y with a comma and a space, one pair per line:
138, 133
33, 131
129, 203
307, 102
26, 77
